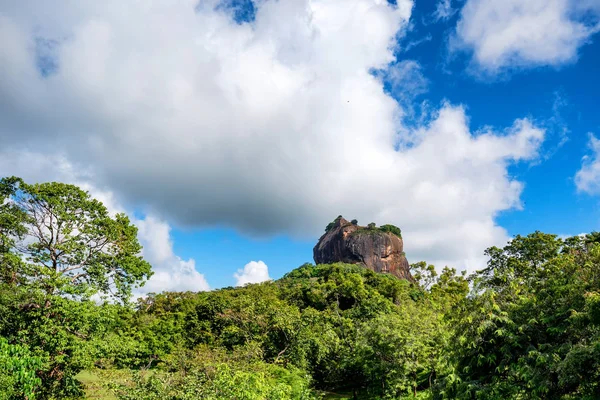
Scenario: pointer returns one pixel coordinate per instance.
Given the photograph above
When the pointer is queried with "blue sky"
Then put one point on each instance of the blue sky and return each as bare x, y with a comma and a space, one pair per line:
563, 98
239, 129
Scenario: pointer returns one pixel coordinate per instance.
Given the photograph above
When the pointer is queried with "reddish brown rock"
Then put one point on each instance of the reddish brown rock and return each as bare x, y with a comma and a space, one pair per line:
372, 247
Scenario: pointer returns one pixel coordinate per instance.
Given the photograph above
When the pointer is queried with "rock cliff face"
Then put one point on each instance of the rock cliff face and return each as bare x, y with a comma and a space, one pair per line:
372, 247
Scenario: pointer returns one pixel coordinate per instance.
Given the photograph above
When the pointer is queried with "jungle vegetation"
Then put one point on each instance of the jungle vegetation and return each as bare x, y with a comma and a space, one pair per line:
525, 326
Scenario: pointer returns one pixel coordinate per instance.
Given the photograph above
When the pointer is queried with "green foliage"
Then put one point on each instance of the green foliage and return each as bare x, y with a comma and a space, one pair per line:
62, 331
59, 246
11, 229
527, 326
370, 227
391, 229
332, 224
218, 377
18, 372
529, 329
333, 327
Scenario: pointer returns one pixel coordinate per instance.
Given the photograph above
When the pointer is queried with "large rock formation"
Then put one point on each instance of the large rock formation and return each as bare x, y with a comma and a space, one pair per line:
379, 249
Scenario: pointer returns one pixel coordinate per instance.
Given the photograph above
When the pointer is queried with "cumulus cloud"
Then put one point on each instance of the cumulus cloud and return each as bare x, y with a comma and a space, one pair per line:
459, 177
253, 272
587, 178
515, 34
171, 272
273, 126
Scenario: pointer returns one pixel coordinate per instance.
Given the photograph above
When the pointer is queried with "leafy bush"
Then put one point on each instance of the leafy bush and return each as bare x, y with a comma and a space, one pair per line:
332, 223
391, 229
219, 381
525, 327
18, 372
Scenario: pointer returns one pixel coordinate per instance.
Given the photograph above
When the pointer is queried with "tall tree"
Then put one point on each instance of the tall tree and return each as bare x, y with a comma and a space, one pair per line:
530, 329
71, 243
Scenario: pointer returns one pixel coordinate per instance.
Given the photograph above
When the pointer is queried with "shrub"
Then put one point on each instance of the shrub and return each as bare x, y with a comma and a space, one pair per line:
332, 223
18, 372
391, 229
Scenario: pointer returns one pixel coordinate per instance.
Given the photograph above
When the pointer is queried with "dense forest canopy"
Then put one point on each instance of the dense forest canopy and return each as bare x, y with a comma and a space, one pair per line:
526, 326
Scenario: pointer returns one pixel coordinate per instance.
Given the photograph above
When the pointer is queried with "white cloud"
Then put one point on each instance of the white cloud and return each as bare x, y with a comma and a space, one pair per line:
565, 236
515, 33
406, 79
417, 42
444, 10
456, 183
271, 127
171, 272
587, 178
253, 272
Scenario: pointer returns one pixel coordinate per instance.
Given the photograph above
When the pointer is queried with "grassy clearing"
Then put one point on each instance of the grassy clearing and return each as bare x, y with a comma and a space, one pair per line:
335, 396
92, 381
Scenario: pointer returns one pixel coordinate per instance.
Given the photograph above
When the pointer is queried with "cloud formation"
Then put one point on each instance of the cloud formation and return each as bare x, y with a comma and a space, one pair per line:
253, 272
274, 126
587, 178
511, 34
171, 272
444, 10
